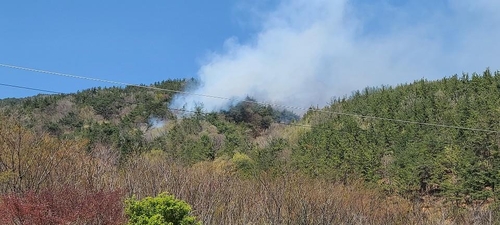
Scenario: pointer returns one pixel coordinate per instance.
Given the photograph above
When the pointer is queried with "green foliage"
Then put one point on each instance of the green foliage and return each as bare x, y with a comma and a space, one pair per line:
114, 117
243, 163
159, 210
184, 144
268, 158
257, 116
412, 159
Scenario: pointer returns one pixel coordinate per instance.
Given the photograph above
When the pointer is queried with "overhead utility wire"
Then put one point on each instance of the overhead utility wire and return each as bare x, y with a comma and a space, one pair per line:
142, 86
28, 88
172, 109
107, 81
247, 101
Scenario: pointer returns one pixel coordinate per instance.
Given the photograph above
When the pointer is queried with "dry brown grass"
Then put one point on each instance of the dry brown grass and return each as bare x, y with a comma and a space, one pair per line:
31, 164
222, 197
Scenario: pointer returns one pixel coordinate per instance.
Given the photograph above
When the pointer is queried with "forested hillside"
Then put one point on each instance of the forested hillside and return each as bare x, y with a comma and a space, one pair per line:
425, 152
458, 161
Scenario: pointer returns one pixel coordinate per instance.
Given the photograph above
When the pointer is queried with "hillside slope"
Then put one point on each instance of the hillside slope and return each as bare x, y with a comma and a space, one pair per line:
425, 140
442, 138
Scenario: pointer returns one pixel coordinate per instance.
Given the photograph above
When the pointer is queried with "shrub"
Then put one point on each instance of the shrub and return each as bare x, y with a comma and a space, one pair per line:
163, 209
244, 164
62, 206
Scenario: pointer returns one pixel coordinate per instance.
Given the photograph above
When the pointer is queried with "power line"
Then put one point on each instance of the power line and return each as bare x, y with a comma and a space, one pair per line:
28, 88
171, 109
247, 101
142, 86
107, 81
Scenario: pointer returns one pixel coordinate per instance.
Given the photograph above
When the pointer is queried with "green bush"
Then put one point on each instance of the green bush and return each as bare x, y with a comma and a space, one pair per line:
244, 164
163, 209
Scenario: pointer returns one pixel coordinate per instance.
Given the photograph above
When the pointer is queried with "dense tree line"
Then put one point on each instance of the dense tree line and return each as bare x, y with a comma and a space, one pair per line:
413, 159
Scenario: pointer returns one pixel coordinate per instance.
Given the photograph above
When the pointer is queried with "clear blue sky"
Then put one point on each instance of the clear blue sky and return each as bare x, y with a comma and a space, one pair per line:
129, 41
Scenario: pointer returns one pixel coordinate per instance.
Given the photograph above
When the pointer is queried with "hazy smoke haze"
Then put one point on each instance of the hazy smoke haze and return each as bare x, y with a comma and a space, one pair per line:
308, 51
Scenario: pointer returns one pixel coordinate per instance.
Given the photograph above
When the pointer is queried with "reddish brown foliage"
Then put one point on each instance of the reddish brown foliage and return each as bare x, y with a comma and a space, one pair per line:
64, 206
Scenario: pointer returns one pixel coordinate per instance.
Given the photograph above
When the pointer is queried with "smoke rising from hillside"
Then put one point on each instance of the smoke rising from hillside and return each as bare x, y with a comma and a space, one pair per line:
308, 51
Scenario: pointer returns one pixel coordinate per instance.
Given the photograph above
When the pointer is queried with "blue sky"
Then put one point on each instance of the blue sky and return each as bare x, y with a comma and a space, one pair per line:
118, 40
293, 52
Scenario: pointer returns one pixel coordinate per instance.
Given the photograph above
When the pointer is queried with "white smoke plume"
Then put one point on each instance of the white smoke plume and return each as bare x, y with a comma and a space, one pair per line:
308, 51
